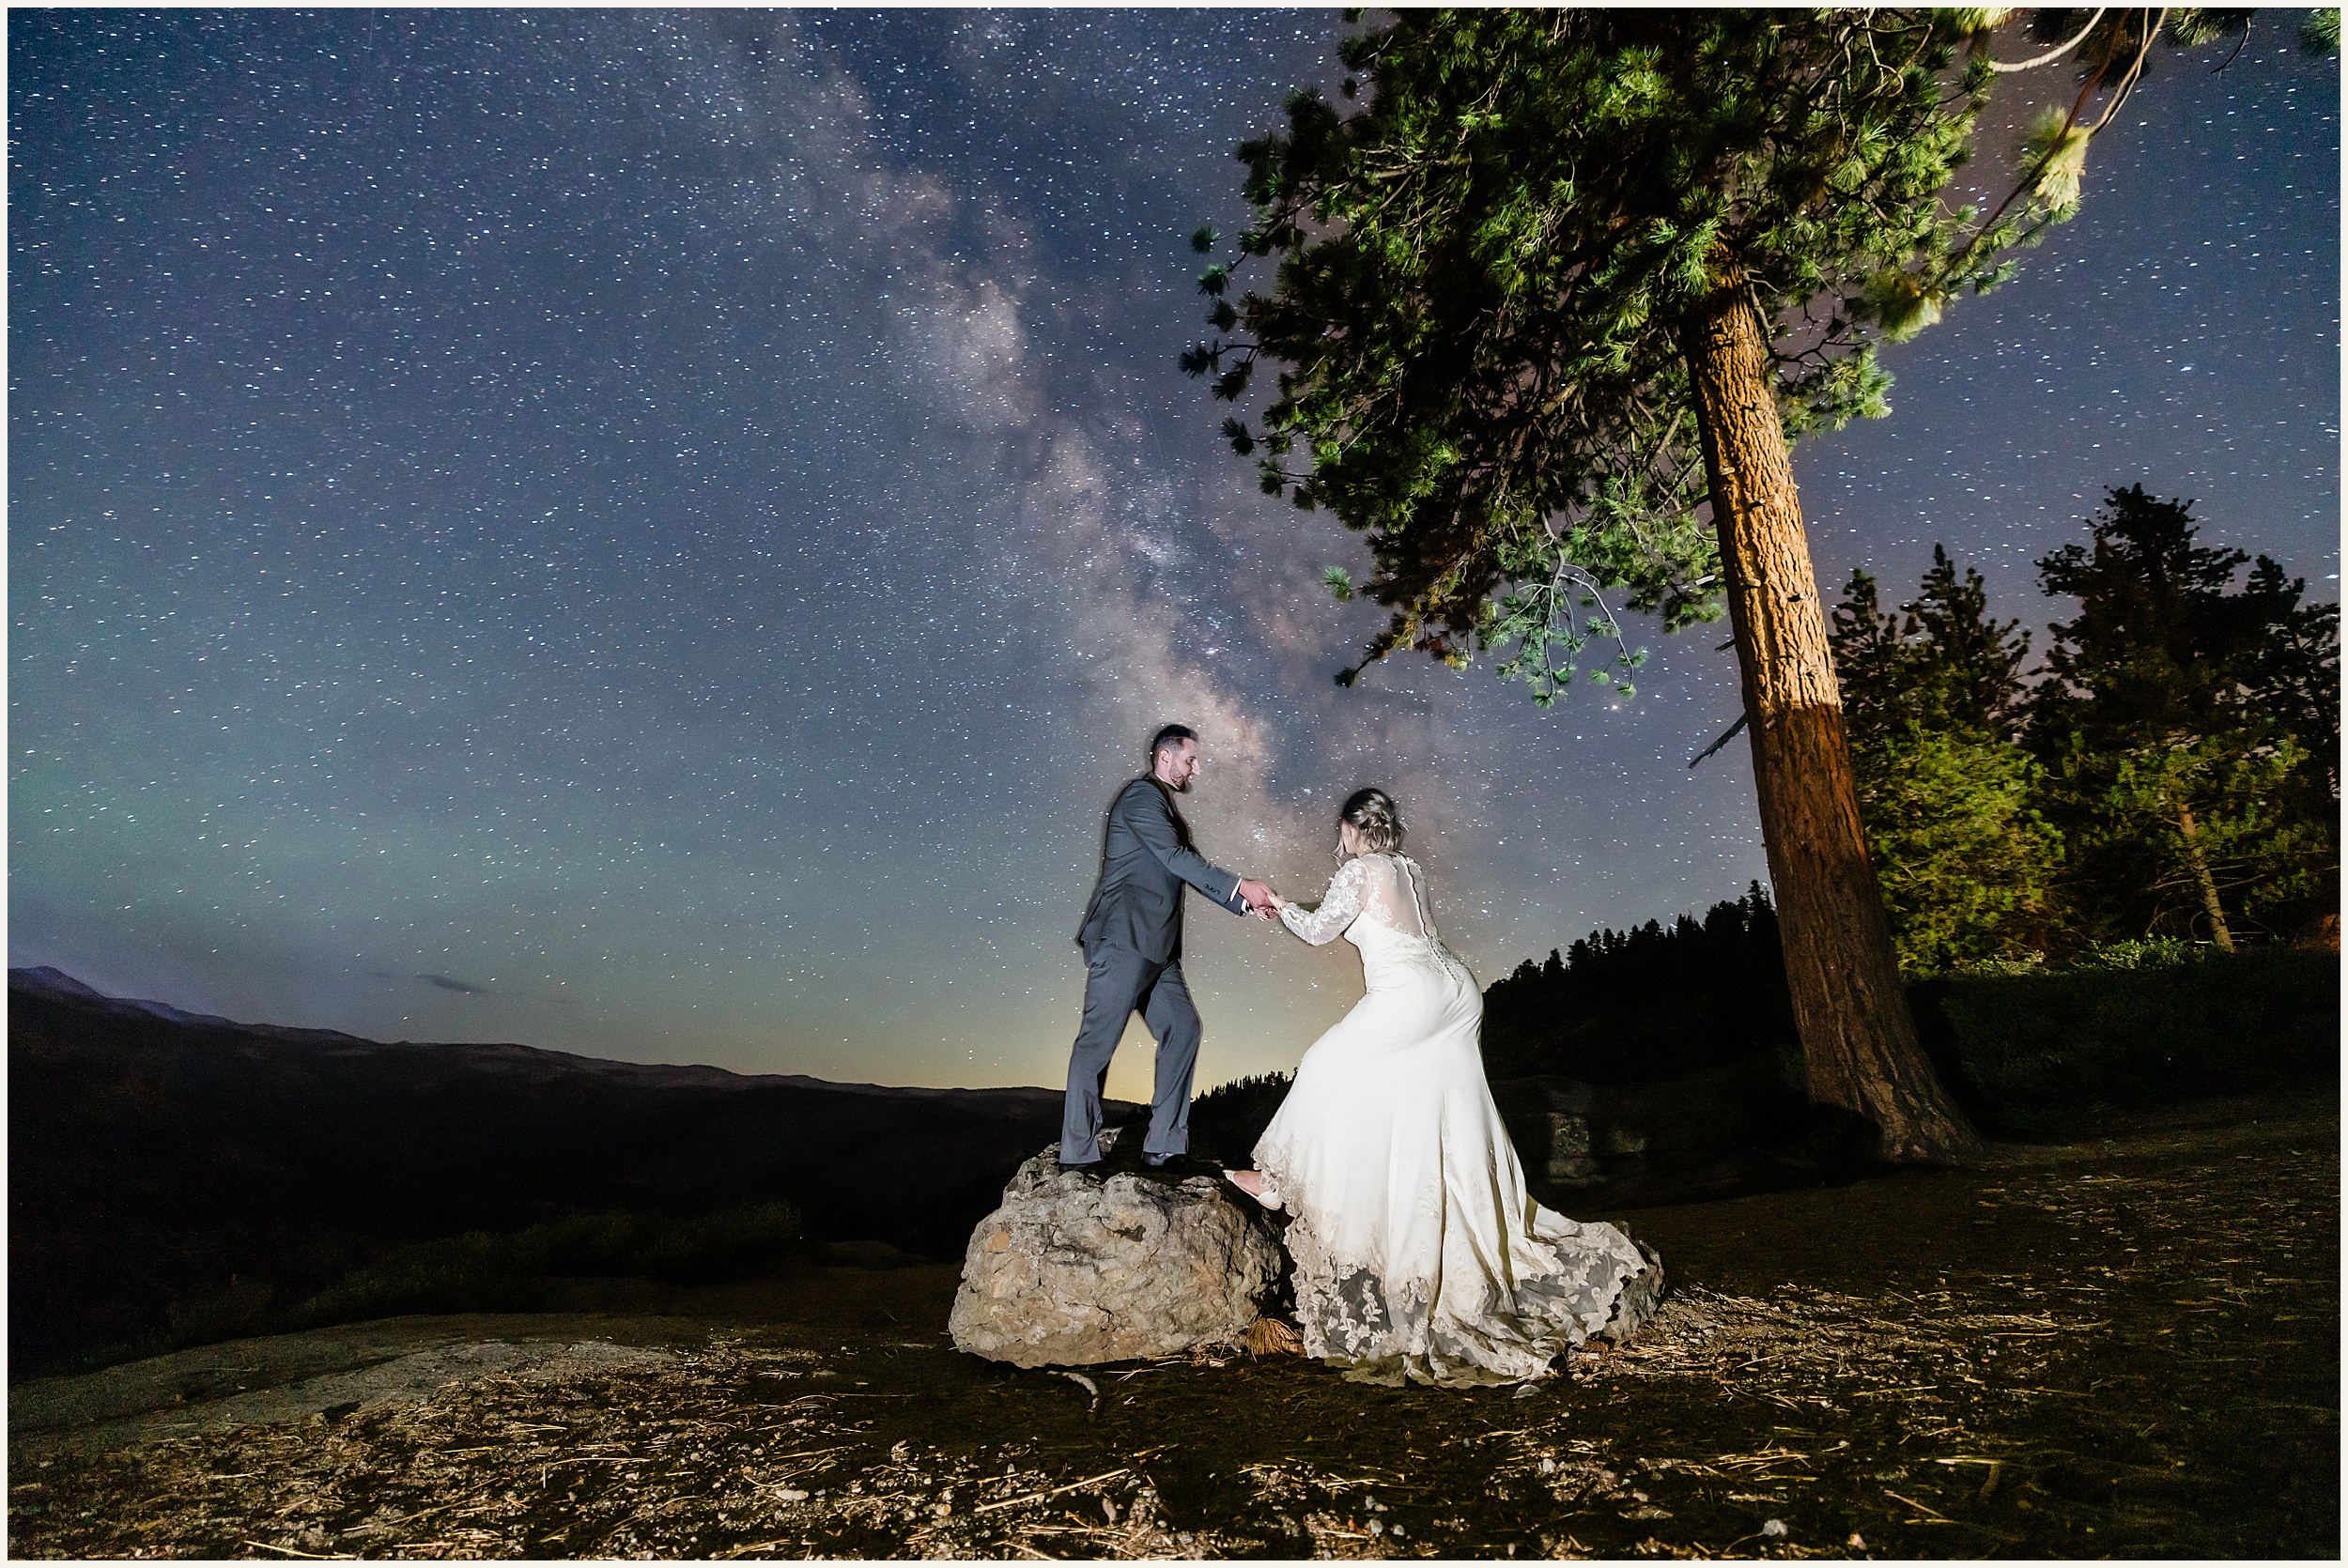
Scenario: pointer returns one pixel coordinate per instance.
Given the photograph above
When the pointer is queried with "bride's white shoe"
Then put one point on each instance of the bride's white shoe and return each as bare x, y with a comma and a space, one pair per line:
1254, 1188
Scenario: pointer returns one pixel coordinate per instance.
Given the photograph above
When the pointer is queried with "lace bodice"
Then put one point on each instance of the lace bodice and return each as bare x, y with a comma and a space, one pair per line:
1389, 891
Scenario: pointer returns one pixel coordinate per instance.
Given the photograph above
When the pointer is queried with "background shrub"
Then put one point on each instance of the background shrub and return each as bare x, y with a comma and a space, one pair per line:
480, 1272
2138, 1025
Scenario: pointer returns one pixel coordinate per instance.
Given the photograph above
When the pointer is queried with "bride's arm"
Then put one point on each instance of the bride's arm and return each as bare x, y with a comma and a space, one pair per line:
1339, 906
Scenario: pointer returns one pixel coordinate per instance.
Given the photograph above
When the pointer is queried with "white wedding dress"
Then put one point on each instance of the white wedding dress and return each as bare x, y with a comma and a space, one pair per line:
1418, 1253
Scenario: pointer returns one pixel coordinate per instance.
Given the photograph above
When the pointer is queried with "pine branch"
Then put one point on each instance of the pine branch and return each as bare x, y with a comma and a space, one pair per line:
1725, 739
2052, 54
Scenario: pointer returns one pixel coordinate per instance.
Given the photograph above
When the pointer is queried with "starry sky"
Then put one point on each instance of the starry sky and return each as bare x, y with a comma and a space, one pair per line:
659, 534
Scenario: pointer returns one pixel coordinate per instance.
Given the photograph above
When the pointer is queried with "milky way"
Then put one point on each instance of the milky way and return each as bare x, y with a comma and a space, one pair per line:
659, 534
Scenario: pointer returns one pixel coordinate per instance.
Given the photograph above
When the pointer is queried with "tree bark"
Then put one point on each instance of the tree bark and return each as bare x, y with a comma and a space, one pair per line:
1858, 1042
2208, 884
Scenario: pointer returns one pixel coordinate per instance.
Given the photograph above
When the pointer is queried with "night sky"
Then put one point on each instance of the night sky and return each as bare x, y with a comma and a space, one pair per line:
659, 535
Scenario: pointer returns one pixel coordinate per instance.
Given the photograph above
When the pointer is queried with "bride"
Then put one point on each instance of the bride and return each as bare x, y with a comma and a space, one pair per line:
1419, 1255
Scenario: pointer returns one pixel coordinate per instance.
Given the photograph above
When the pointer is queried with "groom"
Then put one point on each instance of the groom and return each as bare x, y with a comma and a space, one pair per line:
1131, 938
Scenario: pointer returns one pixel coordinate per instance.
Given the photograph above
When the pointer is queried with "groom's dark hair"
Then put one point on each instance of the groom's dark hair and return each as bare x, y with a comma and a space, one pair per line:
1173, 734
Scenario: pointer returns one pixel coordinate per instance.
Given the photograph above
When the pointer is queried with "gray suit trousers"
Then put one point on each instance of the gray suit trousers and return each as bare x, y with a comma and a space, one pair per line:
1121, 983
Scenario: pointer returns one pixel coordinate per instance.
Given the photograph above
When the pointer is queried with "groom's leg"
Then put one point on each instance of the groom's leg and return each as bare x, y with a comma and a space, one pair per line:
1113, 981
1175, 1022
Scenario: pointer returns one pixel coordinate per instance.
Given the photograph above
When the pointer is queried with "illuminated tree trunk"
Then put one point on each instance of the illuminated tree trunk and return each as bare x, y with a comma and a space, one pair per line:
1858, 1042
2202, 878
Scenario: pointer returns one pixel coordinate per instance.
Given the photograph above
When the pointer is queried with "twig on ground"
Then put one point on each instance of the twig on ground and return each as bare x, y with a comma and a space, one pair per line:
1039, 1497
290, 1551
1920, 1507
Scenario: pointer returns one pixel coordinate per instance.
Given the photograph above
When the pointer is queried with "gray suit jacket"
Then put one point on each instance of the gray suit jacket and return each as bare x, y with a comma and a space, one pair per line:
1146, 857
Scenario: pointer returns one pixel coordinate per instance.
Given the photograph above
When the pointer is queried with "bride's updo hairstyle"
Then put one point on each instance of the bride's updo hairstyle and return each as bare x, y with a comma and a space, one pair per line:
1372, 813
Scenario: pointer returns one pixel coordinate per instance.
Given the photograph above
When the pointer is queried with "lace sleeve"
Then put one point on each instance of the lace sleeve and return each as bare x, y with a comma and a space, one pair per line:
1339, 906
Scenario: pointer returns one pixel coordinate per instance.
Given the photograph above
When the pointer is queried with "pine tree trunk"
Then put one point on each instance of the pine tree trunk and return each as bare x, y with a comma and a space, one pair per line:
2218, 930
1858, 1042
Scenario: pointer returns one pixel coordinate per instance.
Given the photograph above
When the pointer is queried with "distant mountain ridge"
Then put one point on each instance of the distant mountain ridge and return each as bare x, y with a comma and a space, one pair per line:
46, 981
158, 1157
53, 984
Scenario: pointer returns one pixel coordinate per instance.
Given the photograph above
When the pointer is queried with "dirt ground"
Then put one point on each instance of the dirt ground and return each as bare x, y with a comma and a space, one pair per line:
2125, 1348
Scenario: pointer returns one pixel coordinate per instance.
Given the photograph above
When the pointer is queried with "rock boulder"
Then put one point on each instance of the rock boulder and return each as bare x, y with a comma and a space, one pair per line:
1077, 1268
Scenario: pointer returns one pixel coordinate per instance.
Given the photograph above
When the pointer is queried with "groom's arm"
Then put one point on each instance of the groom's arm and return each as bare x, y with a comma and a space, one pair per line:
1152, 823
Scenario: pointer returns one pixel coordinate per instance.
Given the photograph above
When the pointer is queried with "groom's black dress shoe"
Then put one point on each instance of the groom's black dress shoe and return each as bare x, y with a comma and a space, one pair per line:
1080, 1165
1181, 1164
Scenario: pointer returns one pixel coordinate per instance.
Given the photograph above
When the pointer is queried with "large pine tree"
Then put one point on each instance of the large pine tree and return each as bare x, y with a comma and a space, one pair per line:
1570, 279
1933, 696
2195, 727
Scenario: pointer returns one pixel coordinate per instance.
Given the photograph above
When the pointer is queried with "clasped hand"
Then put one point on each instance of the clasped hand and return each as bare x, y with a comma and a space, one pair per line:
1262, 900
